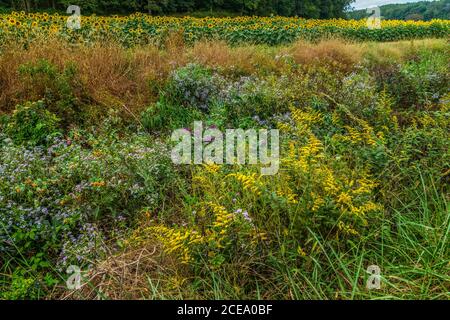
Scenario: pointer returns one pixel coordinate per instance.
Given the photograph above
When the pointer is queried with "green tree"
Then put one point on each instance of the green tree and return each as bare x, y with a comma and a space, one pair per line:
302, 8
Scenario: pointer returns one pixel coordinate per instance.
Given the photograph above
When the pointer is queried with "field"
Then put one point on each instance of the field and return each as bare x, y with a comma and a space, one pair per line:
87, 179
139, 28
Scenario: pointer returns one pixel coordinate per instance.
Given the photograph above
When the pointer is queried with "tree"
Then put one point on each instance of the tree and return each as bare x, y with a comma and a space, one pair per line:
302, 8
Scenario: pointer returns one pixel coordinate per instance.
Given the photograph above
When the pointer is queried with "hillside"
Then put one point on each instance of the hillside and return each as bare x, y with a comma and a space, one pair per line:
424, 10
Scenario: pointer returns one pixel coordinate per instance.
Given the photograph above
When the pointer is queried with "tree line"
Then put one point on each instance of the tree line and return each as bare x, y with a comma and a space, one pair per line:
424, 10
302, 8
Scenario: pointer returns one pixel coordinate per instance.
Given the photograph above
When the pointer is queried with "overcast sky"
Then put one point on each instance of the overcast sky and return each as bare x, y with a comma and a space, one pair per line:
362, 4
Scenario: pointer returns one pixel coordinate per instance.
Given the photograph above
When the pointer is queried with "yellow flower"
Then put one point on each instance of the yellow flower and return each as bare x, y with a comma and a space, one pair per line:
288, 195
212, 168
98, 184
344, 198
301, 252
97, 153
347, 229
250, 182
318, 202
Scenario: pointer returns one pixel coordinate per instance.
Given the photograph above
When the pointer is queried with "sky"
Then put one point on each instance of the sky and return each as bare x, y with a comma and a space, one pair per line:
362, 4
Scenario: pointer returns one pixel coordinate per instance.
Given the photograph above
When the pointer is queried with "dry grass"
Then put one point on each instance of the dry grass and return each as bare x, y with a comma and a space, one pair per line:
110, 76
338, 53
399, 51
106, 73
120, 277
247, 60
13, 89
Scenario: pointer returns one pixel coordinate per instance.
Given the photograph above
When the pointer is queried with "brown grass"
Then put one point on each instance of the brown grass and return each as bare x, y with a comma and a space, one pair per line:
106, 72
110, 76
122, 276
246, 60
337, 53
13, 89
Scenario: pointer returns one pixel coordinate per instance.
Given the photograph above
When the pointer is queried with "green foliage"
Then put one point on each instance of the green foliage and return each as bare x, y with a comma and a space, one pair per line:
257, 100
21, 287
166, 115
242, 102
309, 8
43, 80
422, 81
31, 123
194, 86
58, 205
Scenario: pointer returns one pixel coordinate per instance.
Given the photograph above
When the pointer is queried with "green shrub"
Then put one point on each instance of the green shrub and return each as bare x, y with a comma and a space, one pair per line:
194, 86
165, 115
258, 99
21, 287
58, 88
421, 82
31, 123
59, 205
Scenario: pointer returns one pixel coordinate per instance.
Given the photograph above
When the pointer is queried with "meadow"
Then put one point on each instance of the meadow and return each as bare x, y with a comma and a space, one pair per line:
87, 180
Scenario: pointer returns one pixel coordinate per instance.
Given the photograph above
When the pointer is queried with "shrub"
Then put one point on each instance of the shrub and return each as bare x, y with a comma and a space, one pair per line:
255, 98
31, 123
318, 188
194, 86
165, 115
22, 287
60, 204
421, 82
58, 88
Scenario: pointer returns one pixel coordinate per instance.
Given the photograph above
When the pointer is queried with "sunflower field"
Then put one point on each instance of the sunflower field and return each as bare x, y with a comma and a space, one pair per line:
141, 28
